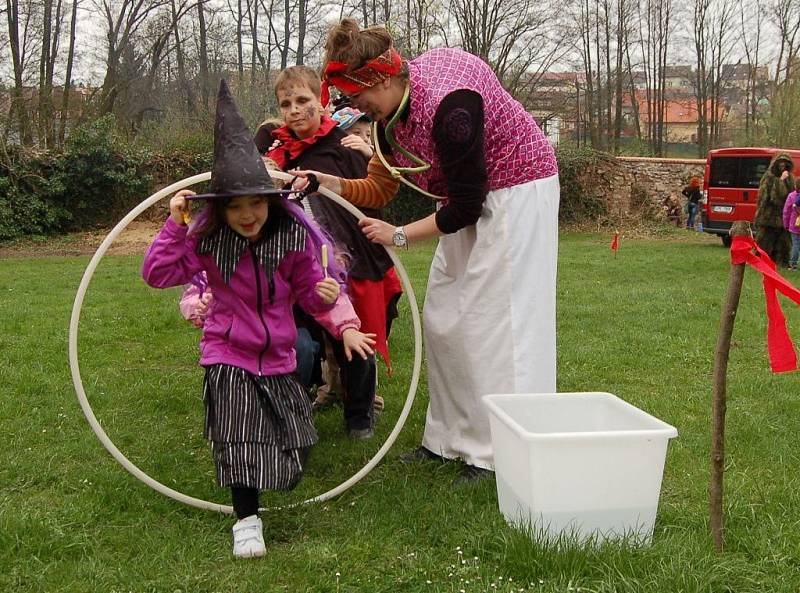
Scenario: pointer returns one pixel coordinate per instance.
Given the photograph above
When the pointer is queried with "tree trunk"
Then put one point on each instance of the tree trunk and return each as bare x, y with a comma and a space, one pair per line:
302, 10
205, 81
191, 104
65, 99
19, 110
719, 393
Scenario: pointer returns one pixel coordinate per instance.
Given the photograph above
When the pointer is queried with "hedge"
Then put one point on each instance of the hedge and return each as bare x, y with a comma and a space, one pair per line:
98, 177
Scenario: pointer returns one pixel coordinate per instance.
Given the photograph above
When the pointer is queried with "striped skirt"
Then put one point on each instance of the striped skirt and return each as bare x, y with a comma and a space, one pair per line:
260, 428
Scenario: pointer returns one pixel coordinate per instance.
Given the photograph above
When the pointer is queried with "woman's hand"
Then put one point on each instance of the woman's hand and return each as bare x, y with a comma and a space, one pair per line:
377, 231
330, 182
357, 143
328, 290
178, 208
355, 341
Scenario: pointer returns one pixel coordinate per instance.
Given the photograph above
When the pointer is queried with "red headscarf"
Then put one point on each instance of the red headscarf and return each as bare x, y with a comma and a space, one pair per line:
386, 65
291, 146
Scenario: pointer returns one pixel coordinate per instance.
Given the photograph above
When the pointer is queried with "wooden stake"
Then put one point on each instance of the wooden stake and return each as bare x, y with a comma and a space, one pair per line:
718, 406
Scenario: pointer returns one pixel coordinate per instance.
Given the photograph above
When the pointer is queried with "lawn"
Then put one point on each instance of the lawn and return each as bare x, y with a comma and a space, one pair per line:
642, 325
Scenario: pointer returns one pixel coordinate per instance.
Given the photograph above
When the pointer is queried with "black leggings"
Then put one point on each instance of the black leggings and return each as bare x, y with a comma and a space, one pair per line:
245, 501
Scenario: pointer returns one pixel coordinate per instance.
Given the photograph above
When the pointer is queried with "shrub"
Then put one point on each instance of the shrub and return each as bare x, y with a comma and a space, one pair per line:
25, 190
99, 177
407, 206
577, 202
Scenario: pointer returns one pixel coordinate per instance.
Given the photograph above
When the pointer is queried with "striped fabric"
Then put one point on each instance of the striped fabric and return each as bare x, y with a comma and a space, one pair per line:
260, 427
283, 234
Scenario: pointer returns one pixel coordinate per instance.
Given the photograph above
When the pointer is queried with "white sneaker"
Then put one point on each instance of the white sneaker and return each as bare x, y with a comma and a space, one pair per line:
248, 538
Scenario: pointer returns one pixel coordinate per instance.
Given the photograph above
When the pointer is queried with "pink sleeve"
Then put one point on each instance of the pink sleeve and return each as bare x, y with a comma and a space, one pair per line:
335, 318
189, 302
170, 260
339, 317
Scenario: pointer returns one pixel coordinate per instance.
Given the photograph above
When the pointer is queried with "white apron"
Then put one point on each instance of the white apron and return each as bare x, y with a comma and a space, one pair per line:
490, 316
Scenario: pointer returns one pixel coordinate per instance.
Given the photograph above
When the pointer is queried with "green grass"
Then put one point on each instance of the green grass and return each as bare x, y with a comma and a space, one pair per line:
642, 325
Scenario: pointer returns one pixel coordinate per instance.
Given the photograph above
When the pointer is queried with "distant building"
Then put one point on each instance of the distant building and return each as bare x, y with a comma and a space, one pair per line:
680, 119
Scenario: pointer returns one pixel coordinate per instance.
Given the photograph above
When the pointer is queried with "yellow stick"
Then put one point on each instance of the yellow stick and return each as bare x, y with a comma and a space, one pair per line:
325, 259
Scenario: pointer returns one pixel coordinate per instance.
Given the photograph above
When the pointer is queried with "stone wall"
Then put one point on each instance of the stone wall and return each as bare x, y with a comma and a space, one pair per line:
639, 186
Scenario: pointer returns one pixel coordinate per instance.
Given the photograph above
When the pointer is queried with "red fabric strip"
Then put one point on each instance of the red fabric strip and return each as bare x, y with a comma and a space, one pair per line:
782, 355
370, 300
615, 242
291, 147
388, 64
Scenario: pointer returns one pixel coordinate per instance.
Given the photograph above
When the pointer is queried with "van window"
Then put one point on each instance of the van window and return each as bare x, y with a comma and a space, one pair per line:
724, 172
751, 169
734, 171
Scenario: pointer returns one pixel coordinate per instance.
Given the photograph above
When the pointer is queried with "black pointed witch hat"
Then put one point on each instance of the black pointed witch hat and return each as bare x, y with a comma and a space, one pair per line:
238, 169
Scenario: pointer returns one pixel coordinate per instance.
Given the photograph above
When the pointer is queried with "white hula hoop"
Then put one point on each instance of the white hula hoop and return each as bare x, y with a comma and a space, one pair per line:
130, 466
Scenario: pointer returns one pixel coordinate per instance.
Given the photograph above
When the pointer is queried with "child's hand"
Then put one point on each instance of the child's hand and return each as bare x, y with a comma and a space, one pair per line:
203, 304
178, 206
355, 341
328, 290
331, 182
357, 143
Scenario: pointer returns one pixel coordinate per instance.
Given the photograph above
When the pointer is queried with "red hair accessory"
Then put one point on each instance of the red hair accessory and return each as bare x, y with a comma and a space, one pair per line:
378, 69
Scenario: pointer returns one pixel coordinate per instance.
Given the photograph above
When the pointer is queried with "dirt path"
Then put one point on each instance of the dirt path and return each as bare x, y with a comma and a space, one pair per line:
133, 240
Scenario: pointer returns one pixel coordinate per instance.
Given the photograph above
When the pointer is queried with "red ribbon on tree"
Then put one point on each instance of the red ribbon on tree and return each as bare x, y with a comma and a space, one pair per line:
782, 356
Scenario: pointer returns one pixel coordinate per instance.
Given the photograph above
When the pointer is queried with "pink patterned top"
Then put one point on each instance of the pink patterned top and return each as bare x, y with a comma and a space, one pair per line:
515, 149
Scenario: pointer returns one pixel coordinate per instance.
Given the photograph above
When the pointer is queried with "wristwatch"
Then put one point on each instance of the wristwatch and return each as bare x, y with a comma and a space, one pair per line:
399, 238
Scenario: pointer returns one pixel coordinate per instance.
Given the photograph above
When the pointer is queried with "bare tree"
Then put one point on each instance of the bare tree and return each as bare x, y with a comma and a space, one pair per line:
420, 23
65, 98
752, 21
123, 20
21, 27
712, 35
191, 103
655, 28
786, 17
512, 37
202, 32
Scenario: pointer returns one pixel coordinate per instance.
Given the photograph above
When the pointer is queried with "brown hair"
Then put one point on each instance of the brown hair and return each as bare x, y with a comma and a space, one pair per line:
354, 46
797, 184
298, 74
212, 218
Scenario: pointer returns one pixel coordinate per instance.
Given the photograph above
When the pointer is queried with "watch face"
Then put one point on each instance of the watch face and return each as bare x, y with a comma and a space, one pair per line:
399, 238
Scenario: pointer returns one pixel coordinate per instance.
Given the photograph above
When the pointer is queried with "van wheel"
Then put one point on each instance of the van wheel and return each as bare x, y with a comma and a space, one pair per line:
726, 240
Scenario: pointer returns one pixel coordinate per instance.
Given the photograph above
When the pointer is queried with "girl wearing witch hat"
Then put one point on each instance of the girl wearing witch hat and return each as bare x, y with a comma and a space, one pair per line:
259, 253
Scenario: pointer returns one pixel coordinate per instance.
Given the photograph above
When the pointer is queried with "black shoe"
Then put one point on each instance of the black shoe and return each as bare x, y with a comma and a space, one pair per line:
471, 473
420, 454
361, 434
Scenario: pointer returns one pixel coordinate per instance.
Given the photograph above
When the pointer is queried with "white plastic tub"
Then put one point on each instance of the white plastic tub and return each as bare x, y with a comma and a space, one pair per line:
588, 464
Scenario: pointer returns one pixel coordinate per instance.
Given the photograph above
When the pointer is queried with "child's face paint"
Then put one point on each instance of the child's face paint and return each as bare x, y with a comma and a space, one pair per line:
300, 109
247, 215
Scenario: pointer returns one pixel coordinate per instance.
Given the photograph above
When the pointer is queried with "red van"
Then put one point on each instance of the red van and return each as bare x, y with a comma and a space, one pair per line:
731, 185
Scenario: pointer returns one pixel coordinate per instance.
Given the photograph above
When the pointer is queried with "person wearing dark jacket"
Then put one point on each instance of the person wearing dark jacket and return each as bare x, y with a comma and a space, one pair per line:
309, 139
692, 193
776, 183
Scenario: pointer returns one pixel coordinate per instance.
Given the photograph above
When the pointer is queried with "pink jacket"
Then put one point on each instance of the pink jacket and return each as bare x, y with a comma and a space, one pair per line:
250, 324
790, 214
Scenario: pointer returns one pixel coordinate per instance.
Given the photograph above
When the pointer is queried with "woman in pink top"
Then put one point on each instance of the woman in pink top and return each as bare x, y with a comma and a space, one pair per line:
791, 211
445, 120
